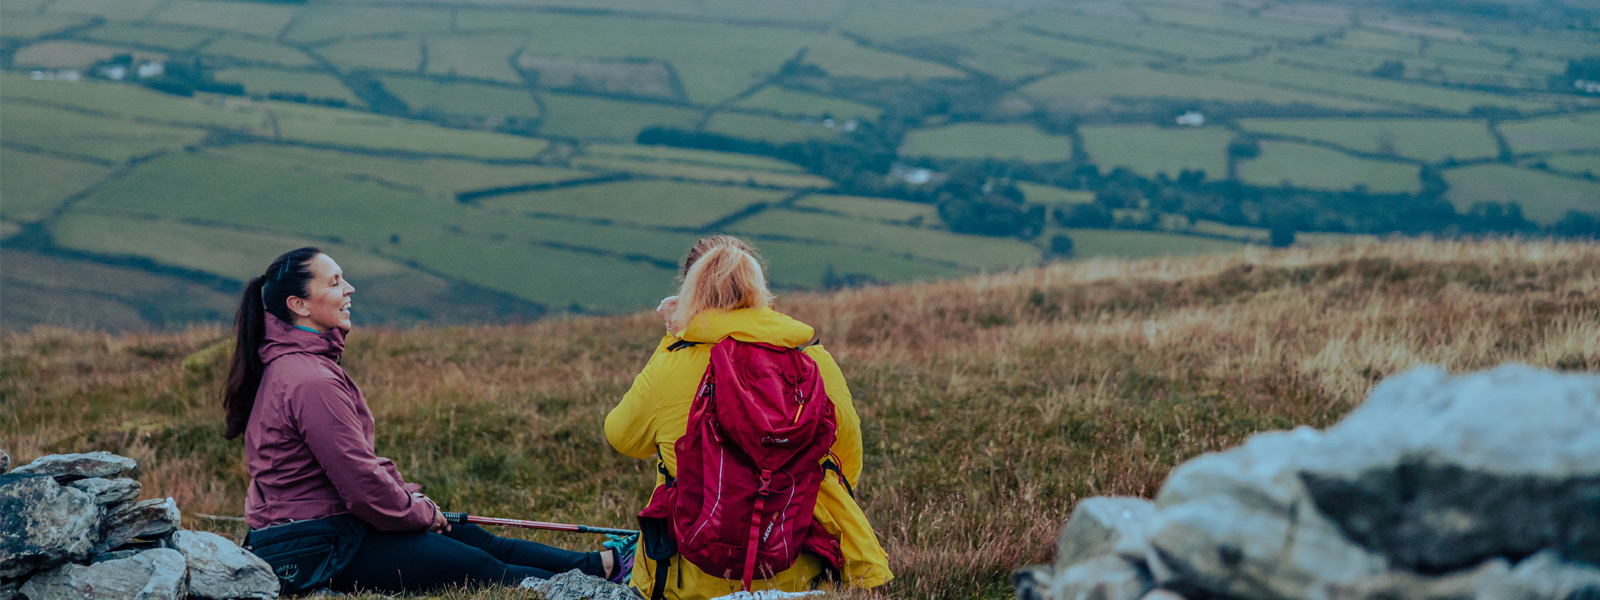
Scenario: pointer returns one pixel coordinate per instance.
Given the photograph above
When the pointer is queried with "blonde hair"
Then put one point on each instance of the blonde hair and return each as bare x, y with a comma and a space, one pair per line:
721, 272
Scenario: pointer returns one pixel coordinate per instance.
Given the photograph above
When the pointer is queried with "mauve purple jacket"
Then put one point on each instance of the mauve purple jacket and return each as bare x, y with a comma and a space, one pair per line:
309, 444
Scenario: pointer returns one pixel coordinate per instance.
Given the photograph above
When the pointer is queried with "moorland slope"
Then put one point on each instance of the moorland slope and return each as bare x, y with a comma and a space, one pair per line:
989, 405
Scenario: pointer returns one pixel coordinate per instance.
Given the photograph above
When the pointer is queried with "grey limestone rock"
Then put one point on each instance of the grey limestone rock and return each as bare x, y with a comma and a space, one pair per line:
8, 589
220, 569
1162, 594
115, 555
1108, 577
1218, 545
1104, 525
1547, 576
5, 462
1240, 523
108, 491
1263, 469
1405, 585
150, 575
43, 524
1443, 472
574, 585
69, 467
143, 519
1427, 491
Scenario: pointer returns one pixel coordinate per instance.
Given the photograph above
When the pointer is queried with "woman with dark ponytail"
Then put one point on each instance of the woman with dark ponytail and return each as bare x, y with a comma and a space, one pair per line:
324, 510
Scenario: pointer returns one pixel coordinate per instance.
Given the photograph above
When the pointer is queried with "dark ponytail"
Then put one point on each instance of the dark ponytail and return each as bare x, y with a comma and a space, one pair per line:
286, 276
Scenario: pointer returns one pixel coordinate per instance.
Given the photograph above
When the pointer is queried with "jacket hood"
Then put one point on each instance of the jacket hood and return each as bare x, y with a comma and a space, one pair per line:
762, 325
282, 339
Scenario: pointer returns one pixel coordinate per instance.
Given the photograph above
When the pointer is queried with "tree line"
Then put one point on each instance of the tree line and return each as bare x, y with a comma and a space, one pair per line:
981, 196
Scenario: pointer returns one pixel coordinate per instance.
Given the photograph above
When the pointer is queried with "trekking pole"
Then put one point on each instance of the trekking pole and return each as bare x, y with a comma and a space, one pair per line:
455, 517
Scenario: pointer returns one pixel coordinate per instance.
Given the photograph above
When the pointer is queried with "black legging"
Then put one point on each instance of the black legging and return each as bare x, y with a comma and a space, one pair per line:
396, 562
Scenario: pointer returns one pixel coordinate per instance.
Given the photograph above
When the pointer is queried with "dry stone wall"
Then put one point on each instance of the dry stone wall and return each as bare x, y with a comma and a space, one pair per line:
1482, 486
71, 529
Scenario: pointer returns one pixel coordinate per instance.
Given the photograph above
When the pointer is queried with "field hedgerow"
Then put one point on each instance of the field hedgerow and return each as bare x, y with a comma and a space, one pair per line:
989, 404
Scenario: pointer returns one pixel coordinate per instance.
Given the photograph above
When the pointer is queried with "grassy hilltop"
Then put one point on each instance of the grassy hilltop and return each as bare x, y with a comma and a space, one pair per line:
492, 160
989, 404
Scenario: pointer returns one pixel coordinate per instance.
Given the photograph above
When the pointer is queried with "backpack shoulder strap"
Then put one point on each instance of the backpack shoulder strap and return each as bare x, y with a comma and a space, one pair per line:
681, 344
830, 464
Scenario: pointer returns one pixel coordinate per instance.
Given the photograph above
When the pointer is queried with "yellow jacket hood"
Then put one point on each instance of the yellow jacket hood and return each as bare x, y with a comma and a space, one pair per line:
762, 325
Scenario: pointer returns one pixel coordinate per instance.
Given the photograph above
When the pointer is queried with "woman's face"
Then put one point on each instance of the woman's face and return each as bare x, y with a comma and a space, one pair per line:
327, 301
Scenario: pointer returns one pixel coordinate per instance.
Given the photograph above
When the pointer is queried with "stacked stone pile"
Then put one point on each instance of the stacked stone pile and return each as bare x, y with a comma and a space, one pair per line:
71, 529
1475, 487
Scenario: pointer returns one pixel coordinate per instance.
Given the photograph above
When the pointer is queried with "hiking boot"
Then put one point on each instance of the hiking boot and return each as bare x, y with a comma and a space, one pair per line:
623, 547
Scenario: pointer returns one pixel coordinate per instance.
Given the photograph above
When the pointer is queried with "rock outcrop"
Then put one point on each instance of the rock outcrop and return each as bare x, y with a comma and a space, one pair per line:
150, 575
219, 568
108, 491
43, 523
575, 585
1477, 486
67, 532
70, 467
148, 519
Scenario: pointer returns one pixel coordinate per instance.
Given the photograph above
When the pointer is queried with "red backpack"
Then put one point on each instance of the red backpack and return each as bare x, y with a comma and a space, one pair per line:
749, 468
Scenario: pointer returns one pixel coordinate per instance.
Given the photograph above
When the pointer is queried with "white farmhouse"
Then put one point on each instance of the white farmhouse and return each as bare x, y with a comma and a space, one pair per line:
1192, 118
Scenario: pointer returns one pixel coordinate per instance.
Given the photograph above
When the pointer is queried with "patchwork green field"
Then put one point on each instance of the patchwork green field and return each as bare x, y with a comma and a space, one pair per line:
771, 129
665, 204
1429, 140
1504, 183
433, 175
973, 140
481, 56
251, 51
463, 98
90, 137
1587, 164
1091, 90
489, 147
701, 172
1150, 150
1168, 40
877, 209
598, 118
1572, 132
50, 180
1090, 243
942, 246
59, 54
1368, 89
1321, 168
267, 81
793, 102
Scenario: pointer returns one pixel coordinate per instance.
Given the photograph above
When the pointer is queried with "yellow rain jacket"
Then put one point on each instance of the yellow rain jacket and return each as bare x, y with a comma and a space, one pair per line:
655, 413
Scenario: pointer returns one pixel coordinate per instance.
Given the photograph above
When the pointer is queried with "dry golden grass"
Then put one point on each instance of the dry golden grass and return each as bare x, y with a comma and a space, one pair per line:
989, 404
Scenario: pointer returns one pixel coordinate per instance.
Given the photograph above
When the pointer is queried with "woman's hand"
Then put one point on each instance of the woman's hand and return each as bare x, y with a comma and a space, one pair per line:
440, 525
668, 306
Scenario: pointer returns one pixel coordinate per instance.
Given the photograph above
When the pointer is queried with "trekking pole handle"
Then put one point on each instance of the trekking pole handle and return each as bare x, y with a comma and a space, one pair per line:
458, 518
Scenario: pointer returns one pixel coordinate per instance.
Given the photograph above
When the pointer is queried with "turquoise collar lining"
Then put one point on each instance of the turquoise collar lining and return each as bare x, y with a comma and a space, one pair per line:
304, 328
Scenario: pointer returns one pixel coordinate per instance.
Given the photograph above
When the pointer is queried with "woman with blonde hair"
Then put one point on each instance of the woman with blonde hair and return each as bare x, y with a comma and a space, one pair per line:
724, 295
